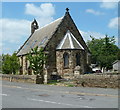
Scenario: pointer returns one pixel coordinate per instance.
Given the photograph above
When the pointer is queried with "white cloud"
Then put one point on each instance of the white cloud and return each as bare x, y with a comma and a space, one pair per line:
44, 13
86, 35
97, 35
109, 4
44, 10
15, 31
113, 24
94, 12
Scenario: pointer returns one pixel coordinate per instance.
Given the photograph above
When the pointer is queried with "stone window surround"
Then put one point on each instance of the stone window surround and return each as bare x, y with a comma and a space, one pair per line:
66, 55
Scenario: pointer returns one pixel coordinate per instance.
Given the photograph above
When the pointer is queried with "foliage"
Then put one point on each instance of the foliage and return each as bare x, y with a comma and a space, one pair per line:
37, 59
70, 85
104, 51
10, 64
118, 55
0, 64
53, 82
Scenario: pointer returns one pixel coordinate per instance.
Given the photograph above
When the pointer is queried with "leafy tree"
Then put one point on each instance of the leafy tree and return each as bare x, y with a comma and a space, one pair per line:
118, 55
37, 59
10, 64
104, 51
0, 64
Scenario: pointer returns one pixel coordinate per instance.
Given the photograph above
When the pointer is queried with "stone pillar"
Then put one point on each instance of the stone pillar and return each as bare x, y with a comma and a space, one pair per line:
83, 64
77, 71
71, 62
24, 65
21, 65
45, 76
59, 62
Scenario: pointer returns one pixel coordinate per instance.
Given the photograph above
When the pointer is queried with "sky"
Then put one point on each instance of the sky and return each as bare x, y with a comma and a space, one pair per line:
91, 18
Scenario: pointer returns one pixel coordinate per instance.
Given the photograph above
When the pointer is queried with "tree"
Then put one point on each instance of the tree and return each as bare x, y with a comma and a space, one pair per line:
37, 59
118, 55
104, 51
10, 64
0, 64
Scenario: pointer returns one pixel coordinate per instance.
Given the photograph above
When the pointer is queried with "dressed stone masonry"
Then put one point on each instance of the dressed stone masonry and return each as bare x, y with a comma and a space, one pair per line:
63, 44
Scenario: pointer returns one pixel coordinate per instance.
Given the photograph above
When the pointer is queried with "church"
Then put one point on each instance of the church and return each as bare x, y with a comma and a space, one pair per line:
62, 43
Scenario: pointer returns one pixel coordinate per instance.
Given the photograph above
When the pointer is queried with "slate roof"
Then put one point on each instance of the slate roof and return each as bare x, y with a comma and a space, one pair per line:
69, 42
40, 37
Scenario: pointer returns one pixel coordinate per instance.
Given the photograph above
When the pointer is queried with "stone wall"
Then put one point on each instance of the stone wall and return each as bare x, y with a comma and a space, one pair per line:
90, 80
67, 23
72, 62
54, 41
21, 78
94, 80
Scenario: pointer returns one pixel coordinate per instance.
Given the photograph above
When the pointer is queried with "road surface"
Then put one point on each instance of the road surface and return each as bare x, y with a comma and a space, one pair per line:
26, 95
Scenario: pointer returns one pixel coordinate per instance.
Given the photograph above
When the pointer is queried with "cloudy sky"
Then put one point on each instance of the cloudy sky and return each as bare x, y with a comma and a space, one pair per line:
92, 18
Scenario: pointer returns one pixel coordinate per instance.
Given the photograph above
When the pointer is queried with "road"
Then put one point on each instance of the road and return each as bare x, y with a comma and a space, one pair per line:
26, 95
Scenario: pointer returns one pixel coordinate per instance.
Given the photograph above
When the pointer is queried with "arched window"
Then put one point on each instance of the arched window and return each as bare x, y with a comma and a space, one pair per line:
66, 60
77, 59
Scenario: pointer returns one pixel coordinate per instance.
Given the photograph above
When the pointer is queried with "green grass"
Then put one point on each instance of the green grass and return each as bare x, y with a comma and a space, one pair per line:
70, 85
52, 82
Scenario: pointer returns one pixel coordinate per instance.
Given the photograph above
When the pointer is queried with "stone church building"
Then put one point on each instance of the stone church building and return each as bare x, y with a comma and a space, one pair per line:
63, 44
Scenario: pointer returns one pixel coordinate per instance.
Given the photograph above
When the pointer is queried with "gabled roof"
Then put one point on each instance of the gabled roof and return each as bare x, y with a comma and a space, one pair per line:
69, 42
116, 62
40, 37
43, 35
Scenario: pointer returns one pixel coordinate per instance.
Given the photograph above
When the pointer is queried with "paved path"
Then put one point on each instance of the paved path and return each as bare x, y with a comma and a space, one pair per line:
26, 95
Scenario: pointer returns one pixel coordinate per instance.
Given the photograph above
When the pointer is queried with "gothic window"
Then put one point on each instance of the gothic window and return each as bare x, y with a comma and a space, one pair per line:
66, 60
77, 59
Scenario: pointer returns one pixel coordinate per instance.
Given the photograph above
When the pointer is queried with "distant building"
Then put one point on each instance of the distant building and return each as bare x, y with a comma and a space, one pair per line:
63, 45
116, 66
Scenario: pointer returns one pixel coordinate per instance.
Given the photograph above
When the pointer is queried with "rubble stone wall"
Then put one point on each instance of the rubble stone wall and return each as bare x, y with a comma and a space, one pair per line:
103, 81
72, 62
19, 78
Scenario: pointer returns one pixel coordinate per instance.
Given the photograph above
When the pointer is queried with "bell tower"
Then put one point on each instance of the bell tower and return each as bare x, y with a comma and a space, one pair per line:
34, 26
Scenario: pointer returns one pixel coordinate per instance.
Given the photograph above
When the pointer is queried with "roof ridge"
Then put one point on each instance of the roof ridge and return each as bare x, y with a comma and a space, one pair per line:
50, 23
61, 18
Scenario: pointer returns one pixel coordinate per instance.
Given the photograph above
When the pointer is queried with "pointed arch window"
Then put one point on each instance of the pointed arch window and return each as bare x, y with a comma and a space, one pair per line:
77, 59
66, 60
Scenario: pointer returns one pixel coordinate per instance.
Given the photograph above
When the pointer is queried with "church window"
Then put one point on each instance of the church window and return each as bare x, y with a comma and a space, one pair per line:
77, 59
66, 60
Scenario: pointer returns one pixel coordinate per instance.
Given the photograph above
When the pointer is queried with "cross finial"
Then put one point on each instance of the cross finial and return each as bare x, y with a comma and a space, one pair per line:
67, 9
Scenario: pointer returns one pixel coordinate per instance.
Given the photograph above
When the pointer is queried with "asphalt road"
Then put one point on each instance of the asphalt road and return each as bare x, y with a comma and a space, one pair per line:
26, 95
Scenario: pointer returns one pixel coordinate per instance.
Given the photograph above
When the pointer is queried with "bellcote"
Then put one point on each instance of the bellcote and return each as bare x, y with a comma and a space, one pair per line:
34, 26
